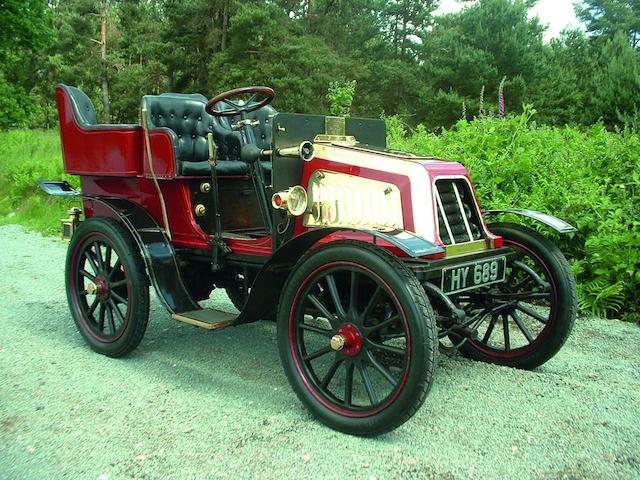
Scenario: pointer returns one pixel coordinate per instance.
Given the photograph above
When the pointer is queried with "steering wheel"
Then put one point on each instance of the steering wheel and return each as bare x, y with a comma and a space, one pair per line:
236, 108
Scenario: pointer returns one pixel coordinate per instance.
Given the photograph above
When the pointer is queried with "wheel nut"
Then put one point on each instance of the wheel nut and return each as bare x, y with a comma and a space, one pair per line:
92, 288
337, 342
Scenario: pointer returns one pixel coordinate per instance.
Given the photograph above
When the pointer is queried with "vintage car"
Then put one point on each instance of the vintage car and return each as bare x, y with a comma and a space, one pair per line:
368, 259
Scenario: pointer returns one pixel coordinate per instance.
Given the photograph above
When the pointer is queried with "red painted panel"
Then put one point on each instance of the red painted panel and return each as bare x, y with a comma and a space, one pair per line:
109, 151
163, 153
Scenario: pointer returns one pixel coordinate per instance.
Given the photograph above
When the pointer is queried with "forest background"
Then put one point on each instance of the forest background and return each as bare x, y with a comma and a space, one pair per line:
551, 125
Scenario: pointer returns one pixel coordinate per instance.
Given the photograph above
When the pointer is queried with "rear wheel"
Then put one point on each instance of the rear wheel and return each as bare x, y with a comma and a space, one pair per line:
357, 338
107, 287
526, 319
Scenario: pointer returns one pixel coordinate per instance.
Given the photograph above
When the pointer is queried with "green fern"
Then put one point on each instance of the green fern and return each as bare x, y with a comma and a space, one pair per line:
600, 299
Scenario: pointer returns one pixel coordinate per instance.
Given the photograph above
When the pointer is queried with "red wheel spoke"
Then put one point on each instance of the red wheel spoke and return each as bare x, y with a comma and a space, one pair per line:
505, 329
383, 371
311, 328
331, 372
335, 296
368, 386
532, 313
316, 354
320, 306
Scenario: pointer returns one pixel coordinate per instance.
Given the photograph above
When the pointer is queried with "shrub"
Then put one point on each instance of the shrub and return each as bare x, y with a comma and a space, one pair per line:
588, 176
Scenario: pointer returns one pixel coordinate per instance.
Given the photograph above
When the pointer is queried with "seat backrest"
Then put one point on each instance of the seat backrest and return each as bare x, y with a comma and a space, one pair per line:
185, 115
83, 108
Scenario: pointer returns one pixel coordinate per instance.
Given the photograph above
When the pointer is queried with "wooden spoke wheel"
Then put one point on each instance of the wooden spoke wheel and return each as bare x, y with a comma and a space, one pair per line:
107, 288
357, 337
525, 320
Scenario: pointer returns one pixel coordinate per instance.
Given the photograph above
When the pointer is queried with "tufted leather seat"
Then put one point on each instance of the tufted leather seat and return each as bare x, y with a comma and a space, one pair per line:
82, 106
184, 115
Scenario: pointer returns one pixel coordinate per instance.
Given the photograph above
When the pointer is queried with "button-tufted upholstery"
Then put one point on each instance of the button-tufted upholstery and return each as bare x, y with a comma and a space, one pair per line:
83, 108
185, 117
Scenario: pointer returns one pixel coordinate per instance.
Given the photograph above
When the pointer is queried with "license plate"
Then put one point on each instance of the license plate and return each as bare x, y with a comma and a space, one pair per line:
473, 274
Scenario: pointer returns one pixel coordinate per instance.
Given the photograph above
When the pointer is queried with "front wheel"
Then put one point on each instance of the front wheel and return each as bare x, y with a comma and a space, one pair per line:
526, 319
107, 287
357, 337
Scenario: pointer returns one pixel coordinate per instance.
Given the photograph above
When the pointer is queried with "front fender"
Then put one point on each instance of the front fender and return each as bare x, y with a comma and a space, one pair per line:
556, 223
265, 291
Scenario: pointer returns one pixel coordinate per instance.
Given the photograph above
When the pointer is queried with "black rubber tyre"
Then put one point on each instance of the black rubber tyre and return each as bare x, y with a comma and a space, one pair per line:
107, 287
543, 304
351, 307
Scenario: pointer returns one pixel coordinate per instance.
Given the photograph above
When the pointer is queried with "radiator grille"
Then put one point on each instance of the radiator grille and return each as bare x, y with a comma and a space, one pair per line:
457, 217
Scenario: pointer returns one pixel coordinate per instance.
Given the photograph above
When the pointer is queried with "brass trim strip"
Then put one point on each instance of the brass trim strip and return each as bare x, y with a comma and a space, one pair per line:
467, 247
201, 324
145, 127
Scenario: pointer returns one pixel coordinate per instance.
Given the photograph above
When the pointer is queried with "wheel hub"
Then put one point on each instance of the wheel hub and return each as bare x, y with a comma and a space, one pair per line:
99, 288
348, 340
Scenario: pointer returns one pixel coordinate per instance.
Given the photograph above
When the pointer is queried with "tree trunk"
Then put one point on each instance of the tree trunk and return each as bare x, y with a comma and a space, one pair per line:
103, 56
225, 26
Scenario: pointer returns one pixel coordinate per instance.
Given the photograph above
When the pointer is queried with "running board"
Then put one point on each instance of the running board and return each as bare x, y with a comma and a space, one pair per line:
206, 318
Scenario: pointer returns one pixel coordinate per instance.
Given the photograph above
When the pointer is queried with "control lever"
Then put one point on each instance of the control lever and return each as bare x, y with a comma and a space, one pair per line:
218, 243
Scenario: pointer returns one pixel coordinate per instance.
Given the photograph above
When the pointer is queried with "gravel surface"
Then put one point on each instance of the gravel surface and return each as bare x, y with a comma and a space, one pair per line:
189, 403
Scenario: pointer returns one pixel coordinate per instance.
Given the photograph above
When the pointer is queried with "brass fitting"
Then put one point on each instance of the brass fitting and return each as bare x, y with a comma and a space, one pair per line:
337, 342
200, 210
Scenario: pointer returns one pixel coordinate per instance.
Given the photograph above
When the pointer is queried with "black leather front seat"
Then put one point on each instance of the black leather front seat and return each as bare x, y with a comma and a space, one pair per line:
185, 117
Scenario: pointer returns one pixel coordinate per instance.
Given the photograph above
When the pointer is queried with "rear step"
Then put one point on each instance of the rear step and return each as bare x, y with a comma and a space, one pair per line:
206, 318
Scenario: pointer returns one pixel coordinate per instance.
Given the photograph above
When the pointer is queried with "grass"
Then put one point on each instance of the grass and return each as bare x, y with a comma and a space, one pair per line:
27, 156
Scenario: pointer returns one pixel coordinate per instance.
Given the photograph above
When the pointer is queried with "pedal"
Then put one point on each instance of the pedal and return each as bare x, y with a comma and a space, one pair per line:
206, 318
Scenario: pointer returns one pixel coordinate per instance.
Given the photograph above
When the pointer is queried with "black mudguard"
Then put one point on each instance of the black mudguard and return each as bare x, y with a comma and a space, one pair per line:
556, 223
155, 247
265, 291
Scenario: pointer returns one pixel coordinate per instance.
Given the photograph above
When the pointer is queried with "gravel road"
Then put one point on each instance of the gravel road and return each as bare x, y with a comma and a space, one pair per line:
189, 403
